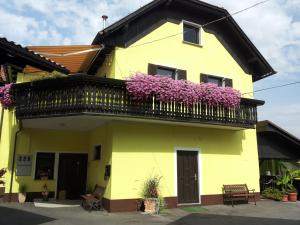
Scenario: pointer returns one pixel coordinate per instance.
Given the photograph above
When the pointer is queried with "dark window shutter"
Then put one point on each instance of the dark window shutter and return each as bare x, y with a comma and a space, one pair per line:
152, 69
181, 74
228, 82
203, 78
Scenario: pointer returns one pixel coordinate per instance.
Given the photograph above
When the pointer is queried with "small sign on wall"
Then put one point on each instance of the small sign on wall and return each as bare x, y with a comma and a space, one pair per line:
24, 164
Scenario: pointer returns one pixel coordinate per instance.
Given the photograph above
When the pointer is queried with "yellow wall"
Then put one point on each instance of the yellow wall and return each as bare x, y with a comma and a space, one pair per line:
141, 150
9, 128
212, 58
100, 136
31, 141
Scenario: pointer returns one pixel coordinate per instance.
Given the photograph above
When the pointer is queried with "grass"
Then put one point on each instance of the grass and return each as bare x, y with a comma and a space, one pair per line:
193, 209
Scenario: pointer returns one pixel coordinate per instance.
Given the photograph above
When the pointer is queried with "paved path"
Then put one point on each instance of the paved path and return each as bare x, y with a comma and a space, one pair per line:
265, 213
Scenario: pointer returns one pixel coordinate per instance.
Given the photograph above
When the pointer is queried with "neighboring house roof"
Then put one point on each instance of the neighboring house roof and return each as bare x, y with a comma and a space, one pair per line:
136, 25
14, 54
78, 63
276, 143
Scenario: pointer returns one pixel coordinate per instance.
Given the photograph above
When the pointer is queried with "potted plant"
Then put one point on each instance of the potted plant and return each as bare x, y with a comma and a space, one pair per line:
45, 193
151, 194
293, 195
22, 193
284, 182
2, 189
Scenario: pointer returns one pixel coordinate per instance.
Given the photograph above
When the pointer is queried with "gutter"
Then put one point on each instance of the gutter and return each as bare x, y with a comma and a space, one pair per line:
14, 159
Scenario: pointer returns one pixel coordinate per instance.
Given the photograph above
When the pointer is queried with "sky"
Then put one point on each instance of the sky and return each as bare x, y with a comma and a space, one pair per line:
274, 28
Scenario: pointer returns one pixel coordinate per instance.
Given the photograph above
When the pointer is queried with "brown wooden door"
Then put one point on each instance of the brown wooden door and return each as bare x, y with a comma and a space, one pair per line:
187, 177
72, 175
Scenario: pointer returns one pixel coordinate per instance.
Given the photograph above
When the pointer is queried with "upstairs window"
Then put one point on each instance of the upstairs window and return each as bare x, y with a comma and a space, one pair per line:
173, 73
220, 81
191, 33
166, 72
215, 80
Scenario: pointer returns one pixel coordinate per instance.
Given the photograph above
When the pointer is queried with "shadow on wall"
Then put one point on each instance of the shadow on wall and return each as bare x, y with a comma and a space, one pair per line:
230, 220
163, 138
11, 216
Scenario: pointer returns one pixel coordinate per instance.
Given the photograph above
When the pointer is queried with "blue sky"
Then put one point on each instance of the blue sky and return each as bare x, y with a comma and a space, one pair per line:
273, 27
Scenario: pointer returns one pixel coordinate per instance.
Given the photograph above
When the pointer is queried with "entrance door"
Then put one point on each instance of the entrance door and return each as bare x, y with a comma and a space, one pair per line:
72, 174
187, 177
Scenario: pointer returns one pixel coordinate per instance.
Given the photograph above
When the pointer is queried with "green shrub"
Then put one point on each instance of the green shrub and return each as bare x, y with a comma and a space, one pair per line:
274, 194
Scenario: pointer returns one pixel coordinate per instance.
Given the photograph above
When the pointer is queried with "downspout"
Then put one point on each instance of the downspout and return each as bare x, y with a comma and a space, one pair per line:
1, 122
14, 159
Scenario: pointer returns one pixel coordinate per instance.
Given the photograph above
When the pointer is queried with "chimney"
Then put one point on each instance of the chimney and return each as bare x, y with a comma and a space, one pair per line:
104, 19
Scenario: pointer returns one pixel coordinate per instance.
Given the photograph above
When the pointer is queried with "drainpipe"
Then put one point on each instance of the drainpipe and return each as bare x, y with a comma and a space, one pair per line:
14, 159
1, 122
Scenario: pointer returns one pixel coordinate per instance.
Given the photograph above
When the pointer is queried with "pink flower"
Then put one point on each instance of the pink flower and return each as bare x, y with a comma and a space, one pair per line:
142, 87
5, 96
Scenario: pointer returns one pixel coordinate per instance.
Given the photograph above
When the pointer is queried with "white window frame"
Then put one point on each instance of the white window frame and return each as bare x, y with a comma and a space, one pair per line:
200, 44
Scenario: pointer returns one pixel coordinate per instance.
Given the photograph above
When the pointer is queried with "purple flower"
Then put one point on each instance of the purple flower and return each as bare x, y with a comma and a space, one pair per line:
142, 87
5, 96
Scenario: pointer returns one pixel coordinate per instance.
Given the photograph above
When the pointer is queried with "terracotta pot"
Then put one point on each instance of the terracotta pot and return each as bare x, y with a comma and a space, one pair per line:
285, 198
22, 198
150, 205
293, 196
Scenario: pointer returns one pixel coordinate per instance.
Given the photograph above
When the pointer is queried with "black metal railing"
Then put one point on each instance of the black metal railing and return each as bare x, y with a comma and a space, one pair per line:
83, 94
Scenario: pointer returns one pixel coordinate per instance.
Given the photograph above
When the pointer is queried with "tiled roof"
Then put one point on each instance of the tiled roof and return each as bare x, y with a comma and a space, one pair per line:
13, 53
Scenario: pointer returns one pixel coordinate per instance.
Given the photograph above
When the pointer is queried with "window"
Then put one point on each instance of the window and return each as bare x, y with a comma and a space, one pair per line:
191, 33
220, 81
97, 152
166, 72
173, 73
215, 80
44, 168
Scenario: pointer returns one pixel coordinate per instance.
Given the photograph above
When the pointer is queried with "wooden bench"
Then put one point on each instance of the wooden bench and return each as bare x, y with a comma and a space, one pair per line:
237, 192
94, 200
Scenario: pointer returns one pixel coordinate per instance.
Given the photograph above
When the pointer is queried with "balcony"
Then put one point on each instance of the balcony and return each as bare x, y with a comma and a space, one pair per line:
88, 95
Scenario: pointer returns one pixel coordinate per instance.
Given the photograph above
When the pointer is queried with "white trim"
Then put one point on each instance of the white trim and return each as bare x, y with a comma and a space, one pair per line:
199, 161
200, 44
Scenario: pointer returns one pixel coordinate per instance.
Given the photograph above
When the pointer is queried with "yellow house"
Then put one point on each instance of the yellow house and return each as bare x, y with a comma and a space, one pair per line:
74, 132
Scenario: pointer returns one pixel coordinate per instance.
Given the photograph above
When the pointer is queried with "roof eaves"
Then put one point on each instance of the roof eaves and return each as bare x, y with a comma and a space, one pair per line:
31, 56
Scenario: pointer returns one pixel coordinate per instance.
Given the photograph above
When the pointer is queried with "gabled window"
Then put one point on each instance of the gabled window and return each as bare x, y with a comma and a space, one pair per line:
191, 33
173, 73
220, 81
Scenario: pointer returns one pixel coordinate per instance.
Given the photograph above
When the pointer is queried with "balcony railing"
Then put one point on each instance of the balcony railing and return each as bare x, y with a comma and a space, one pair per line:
83, 94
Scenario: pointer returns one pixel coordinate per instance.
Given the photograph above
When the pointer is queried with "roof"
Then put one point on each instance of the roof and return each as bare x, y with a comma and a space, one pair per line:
276, 143
19, 56
268, 126
74, 63
139, 23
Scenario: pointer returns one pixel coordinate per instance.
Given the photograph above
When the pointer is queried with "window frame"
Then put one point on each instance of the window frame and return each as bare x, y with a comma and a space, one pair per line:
222, 78
167, 68
179, 74
35, 177
200, 33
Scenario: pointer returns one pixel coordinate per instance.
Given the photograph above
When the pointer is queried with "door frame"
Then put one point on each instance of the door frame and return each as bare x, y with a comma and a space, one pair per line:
199, 163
